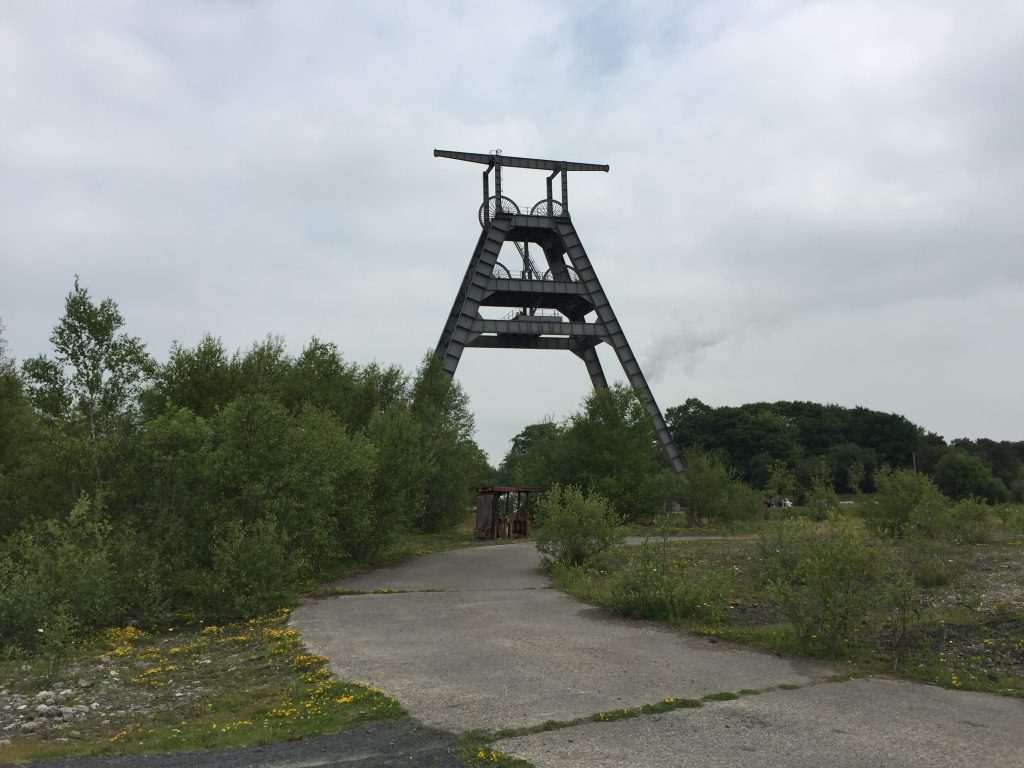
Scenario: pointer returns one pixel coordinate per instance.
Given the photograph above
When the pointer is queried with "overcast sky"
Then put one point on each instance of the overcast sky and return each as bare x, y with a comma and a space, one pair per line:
807, 201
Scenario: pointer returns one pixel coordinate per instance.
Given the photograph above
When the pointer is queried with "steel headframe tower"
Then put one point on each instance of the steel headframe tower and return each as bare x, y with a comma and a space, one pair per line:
550, 306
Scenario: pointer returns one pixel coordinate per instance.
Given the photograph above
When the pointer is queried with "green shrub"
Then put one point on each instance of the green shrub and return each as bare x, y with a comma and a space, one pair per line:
1014, 519
821, 502
252, 572
739, 503
905, 500
574, 527
710, 492
970, 521
780, 550
649, 587
928, 562
827, 583
68, 573
704, 485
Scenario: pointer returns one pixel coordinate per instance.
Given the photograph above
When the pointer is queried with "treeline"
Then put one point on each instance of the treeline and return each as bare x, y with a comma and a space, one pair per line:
738, 456
214, 484
786, 446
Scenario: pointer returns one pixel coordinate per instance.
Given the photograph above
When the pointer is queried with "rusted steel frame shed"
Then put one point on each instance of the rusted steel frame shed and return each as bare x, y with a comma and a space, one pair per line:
503, 512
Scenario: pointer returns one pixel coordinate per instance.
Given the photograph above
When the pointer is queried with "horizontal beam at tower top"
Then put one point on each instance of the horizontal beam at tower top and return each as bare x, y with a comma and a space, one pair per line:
507, 161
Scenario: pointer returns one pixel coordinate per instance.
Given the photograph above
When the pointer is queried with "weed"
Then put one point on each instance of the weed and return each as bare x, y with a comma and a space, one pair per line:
722, 696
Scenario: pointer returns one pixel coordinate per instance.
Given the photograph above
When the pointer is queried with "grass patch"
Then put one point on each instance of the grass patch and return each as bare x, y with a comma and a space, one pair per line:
479, 753
960, 624
183, 688
722, 696
194, 688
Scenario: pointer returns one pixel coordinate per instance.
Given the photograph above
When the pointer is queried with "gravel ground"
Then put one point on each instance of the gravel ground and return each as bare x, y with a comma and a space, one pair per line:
373, 745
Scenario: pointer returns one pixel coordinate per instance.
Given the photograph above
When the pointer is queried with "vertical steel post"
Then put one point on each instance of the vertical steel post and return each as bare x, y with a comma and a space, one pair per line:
497, 185
487, 195
565, 190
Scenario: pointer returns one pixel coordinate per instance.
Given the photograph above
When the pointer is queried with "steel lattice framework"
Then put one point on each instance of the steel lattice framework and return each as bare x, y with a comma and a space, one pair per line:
550, 306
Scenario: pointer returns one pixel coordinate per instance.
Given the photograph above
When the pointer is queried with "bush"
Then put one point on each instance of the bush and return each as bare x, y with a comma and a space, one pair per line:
574, 527
961, 475
711, 493
648, 587
905, 500
739, 503
929, 563
704, 485
971, 521
67, 575
252, 572
1013, 517
827, 583
821, 502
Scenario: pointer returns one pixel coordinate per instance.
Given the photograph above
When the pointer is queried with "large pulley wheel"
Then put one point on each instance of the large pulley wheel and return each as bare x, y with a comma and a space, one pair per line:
501, 271
541, 208
508, 208
574, 276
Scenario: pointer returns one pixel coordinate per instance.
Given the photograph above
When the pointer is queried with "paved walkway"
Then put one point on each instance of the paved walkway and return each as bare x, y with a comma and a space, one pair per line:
476, 640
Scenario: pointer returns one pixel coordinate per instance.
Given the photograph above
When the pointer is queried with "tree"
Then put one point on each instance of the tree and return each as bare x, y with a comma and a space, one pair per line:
855, 476
321, 377
202, 379
960, 475
28, 484
533, 459
96, 372
711, 493
906, 501
781, 480
609, 447
446, 427
1003, 458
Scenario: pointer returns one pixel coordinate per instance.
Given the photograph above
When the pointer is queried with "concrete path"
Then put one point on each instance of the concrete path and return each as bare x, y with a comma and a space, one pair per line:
884, 723
477, 642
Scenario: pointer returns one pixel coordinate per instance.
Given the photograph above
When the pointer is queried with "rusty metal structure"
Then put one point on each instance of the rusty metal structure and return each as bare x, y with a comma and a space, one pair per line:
506, 512
551, 288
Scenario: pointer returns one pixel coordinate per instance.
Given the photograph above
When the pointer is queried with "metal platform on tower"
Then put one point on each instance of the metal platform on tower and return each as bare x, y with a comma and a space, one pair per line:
552, 290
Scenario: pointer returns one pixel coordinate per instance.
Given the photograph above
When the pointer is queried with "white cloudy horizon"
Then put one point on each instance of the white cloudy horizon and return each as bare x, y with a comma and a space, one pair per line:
807, 200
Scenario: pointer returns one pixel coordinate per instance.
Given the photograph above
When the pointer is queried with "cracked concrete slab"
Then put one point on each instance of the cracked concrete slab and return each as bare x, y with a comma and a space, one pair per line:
874, 722
494, 651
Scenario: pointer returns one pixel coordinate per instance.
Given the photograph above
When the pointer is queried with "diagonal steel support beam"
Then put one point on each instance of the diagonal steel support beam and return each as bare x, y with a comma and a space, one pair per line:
581, 263
458, 329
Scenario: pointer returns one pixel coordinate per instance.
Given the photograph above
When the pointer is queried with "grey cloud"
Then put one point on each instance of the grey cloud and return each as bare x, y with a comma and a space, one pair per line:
790, 181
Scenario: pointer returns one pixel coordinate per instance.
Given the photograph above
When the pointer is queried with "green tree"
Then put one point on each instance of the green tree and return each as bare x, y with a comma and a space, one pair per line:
781, 480
202, 379
961, 475
97, 370
609, 448
534, 458
711, 493
854, 476
446, 426
705, 484
905, 501
30, 484
398, 478
319, 376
